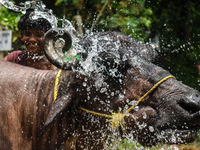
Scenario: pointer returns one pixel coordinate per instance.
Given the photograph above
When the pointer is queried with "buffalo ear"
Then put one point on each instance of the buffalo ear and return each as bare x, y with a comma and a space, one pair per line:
58, 108
59, 125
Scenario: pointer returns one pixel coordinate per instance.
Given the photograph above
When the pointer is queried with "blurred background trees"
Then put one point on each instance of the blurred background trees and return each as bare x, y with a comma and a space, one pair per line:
172, 26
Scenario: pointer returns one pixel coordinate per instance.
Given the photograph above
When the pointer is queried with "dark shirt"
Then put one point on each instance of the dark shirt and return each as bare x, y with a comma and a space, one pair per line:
18, 57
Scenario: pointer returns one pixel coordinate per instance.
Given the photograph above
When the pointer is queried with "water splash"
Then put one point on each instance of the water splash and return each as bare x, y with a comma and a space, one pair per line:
40, 11
37, 5
101, 59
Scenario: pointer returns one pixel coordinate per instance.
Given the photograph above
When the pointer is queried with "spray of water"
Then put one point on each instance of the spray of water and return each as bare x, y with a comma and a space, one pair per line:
40, 11
38, 6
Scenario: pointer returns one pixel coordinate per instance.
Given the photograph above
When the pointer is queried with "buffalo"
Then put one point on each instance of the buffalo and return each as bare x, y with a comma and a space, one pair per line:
111, 73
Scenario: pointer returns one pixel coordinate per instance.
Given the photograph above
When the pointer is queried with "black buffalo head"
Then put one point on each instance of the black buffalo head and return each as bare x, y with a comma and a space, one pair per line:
114, 72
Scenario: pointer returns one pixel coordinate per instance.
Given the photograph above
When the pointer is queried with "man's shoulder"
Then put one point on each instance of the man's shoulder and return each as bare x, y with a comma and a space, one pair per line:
17, 52
14, 56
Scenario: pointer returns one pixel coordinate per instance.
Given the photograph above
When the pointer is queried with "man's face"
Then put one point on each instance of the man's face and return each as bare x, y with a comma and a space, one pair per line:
32, 39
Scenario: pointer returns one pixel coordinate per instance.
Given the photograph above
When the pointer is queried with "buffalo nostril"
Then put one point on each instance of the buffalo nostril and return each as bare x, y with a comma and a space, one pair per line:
197, 97
191, 103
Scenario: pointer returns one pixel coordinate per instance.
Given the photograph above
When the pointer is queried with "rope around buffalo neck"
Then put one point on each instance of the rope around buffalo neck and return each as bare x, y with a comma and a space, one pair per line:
56, 84
116, 118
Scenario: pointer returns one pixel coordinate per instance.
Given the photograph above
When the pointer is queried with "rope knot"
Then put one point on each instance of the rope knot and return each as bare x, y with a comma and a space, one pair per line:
116, 119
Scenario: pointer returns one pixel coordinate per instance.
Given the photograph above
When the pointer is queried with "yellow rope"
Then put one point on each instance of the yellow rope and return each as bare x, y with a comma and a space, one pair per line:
56, 84
95, 113
145, 95
116, 118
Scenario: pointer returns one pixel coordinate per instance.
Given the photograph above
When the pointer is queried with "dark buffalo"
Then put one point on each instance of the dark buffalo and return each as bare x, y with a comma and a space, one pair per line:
114, 72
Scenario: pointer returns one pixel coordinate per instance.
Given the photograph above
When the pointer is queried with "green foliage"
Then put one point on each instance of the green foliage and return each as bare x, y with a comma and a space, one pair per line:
129, 17
59, 2
125, 144
9, 21
175, 25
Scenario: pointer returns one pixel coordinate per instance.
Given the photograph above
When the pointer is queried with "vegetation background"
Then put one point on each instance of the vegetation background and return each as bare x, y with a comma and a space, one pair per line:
172, 26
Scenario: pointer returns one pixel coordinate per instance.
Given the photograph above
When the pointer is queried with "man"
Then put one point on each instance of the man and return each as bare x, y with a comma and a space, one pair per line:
32, 32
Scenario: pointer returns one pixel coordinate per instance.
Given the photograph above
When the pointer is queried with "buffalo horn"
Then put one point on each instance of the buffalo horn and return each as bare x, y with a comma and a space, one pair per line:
56, 44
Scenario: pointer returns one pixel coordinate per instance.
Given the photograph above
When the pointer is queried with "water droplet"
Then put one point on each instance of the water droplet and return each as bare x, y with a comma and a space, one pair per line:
133, 103
84, 84
127, 100
121, 96
112, 94
151, 128
103, 90
144, 115
136, 108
